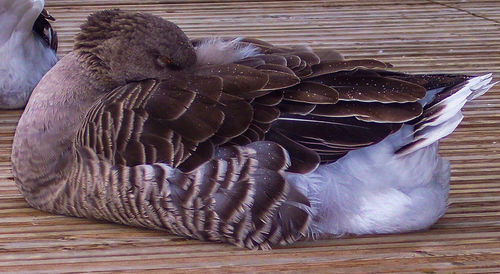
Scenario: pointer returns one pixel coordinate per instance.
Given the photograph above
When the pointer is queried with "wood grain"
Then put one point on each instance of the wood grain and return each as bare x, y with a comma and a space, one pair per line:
416, 36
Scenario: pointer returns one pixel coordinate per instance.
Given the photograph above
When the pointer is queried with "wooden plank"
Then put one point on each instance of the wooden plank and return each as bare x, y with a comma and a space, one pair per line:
416, 36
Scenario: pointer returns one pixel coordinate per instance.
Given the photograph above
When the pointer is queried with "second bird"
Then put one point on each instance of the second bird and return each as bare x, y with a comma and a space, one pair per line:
28, 47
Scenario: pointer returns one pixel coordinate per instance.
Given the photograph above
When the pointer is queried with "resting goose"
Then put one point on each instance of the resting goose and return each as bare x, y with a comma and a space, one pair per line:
28, 47
235, 140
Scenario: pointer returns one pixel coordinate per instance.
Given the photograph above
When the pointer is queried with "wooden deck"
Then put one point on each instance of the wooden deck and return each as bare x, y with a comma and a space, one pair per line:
414, 35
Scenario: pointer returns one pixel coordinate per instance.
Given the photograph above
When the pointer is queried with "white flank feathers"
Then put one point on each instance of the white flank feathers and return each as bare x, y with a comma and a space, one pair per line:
220, 51
373, 190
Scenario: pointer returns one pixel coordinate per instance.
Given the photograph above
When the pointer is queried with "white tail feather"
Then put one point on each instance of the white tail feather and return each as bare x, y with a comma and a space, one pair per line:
432, 134
447, 114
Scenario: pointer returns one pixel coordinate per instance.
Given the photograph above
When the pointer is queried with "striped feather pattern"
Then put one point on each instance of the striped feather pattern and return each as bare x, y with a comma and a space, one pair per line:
231, 198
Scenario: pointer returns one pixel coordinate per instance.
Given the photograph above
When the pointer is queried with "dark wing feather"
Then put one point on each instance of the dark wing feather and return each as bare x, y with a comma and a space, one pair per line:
371, 112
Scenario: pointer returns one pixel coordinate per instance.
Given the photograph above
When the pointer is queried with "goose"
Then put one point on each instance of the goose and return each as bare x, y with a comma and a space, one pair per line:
235, 140
28, 46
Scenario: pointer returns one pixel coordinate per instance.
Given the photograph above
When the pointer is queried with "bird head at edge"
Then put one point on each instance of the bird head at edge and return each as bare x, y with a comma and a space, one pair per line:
18, 16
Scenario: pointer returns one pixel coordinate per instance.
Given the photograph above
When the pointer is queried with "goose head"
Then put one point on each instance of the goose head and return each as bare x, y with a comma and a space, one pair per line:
117, 47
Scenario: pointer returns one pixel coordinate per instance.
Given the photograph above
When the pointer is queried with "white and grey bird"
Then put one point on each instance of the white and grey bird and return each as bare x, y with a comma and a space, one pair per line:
235, 140
28, 47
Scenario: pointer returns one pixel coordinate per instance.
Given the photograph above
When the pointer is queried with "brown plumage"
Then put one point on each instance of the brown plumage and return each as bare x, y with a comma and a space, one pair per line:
139, 133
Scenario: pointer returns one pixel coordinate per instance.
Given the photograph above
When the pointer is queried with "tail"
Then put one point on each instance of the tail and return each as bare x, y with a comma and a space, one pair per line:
442, 111
398, 185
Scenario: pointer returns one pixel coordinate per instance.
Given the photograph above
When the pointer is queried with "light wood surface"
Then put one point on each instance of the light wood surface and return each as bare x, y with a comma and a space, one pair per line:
414, 35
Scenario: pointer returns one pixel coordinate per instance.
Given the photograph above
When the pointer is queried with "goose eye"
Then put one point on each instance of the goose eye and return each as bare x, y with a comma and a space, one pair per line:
164, 61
